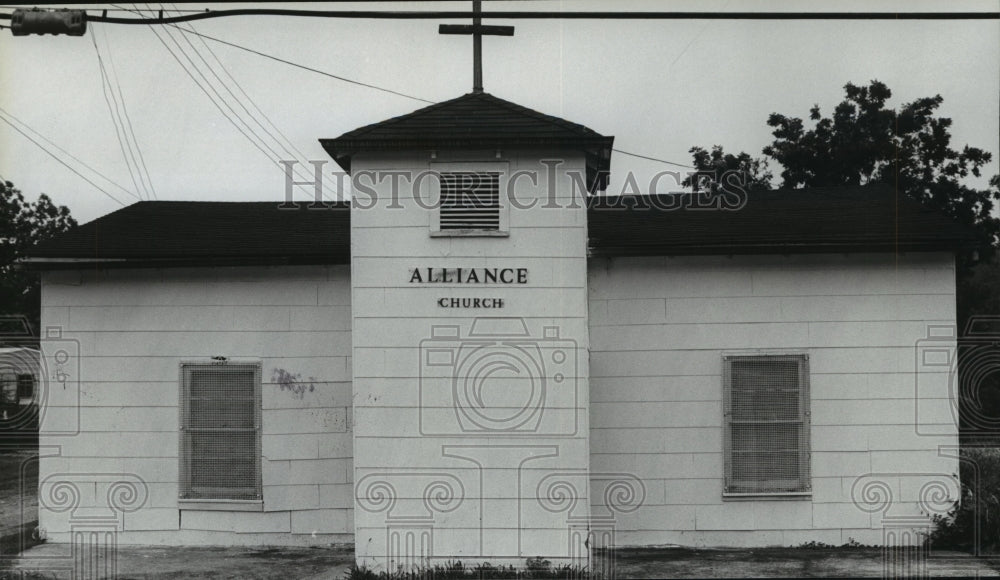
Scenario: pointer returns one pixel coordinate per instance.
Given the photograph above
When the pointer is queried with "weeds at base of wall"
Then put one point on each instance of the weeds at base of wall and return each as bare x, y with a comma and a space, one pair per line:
535, 568
977, 507
850, 544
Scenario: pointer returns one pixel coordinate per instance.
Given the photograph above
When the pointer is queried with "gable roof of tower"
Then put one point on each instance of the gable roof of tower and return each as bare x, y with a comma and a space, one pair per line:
476, 120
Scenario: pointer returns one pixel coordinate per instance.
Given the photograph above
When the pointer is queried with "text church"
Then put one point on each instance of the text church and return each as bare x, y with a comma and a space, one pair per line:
482, 357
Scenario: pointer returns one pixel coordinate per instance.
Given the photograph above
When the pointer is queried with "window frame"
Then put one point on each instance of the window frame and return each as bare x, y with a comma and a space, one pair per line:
434, 194
184, 457
805, 455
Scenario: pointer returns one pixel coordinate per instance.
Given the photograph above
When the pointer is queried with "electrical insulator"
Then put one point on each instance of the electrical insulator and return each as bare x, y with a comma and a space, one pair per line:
38, 21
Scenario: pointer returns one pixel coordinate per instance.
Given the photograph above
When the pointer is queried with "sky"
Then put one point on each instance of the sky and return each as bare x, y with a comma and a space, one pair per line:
659, 87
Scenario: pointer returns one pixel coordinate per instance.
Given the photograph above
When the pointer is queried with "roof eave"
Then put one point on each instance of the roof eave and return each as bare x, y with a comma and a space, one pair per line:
73, 263
949, 246
596, 149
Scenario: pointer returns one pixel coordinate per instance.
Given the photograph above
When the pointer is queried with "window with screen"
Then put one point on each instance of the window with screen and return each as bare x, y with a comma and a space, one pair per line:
220, 431
766, 424
470, 202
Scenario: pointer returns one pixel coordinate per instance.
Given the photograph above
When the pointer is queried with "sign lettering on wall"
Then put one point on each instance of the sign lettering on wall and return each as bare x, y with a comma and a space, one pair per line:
504, 276
469, 276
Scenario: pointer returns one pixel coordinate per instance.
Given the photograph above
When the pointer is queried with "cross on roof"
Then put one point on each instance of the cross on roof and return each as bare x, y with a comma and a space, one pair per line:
477, 30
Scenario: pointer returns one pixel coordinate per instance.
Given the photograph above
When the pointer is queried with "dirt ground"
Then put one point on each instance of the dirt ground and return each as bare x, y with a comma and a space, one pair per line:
791, 563
50, 561
11, 515
54, 561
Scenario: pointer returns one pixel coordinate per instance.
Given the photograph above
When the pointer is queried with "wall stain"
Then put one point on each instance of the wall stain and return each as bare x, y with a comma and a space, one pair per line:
293, 383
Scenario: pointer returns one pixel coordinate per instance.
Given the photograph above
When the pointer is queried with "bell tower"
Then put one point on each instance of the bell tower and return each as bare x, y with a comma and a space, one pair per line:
470, 336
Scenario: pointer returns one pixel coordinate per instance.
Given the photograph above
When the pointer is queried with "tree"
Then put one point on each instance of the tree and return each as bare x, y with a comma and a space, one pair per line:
22, 225
712, 167
866, 143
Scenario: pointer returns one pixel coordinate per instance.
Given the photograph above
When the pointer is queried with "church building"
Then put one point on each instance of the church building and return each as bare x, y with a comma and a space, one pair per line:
483, 357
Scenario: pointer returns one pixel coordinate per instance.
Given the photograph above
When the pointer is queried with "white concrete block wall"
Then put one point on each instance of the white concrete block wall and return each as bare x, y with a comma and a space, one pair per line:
658, 329
132, 329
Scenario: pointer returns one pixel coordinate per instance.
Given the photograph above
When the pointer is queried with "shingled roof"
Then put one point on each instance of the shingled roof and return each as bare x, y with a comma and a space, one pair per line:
779, 221
476, 120
175, 233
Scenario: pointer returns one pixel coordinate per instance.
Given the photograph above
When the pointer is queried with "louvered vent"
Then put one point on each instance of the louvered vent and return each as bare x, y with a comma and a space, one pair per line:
767, 424
470, 201
220, 435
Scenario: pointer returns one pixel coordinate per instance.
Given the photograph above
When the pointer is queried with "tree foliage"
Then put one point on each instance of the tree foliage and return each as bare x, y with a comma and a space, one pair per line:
22, 225
713, 165
864, 142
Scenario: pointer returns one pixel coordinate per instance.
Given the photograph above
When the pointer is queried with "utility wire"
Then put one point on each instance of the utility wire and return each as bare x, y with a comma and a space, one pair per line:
212, 87
202, 10
239, 101
547, 15
192, 31
112, 111
653, 159
65, 152
276, 156
288, 62
63, 163
204, 90
324, 73
310, 69
128, 121
258, 142
297, 155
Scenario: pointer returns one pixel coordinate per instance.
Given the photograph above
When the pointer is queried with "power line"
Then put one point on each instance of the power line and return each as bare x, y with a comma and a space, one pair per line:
259, 142
653, 159
112, 111
128, 120
288, 62
257, 52
179, 11
204, 90
67, 153
199, 10
548, 15
239, 102
209, 84
63, 163
297, 154
304, 67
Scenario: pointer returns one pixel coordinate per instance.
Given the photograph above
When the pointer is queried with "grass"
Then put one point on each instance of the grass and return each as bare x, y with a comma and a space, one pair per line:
534, 568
